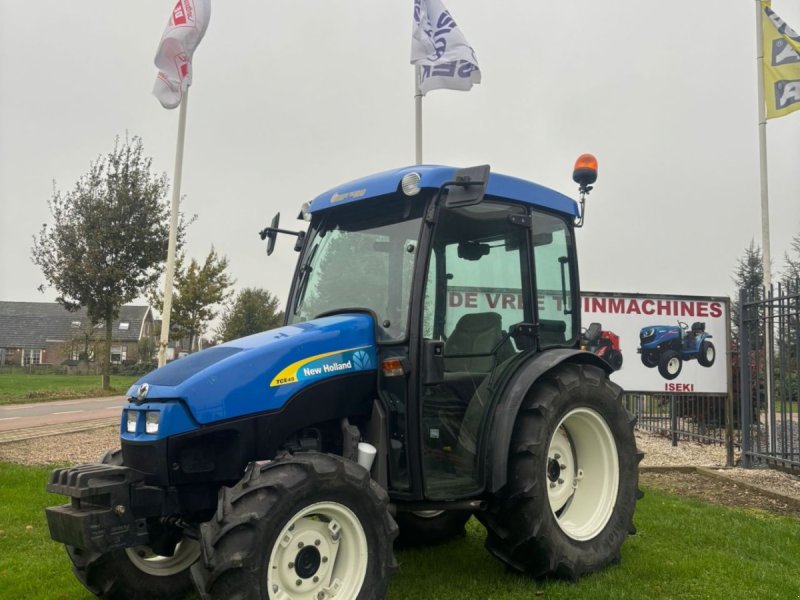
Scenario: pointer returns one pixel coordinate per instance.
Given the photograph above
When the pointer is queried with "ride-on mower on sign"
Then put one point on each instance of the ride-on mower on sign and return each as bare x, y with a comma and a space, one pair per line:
667, 346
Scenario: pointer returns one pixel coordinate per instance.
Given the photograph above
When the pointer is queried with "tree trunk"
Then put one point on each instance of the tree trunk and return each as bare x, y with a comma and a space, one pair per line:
107, 355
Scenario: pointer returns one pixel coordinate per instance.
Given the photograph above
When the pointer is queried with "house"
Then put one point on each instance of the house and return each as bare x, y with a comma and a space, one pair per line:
45, 333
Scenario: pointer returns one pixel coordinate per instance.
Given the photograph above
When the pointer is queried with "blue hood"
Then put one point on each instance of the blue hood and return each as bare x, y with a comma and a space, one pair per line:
261, 372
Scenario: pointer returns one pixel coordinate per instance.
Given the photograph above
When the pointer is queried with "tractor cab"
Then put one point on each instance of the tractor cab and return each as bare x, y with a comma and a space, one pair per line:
465, 273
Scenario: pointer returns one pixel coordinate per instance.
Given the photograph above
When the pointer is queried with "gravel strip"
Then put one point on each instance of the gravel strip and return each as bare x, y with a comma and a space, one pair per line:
69, 448
89, 446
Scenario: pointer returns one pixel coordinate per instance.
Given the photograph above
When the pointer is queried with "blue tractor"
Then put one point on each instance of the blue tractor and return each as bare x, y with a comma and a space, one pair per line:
279, 466
667, 346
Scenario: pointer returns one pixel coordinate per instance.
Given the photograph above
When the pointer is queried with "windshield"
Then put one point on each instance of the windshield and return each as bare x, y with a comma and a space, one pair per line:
361, 257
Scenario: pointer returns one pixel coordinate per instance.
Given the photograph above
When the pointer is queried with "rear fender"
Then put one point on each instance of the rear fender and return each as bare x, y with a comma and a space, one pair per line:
498, 441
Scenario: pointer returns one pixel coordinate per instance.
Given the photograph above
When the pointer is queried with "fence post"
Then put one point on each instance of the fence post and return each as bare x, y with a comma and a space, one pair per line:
746, 402
673, 418
729, 442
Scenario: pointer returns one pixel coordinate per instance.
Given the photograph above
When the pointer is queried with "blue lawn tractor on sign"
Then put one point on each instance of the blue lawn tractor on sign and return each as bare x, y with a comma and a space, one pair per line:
667, 346
280, 466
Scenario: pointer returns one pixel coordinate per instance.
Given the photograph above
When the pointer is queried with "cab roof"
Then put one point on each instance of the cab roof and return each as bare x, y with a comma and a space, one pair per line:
432, 177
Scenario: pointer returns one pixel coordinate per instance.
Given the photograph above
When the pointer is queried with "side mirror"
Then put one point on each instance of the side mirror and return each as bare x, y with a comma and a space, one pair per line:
271, 233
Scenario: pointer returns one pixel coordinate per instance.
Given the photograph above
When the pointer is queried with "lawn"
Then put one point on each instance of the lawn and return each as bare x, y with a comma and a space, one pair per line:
16, 388
684, 549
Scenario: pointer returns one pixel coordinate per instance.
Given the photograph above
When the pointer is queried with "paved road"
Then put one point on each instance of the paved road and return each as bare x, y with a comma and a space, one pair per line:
19, 416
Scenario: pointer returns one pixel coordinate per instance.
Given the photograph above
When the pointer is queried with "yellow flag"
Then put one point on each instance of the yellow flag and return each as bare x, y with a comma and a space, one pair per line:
781, 65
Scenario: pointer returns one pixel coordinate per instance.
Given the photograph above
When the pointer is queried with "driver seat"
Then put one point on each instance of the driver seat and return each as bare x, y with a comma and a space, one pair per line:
475, 333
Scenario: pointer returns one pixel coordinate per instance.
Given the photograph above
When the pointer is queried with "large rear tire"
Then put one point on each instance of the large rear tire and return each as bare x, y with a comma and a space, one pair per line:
706, 354
135, 573
430, 527
309, 527
572, 478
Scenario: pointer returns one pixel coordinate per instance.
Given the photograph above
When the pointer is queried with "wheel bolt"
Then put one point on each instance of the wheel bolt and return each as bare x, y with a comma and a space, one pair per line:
316, 579
299, 582
291, 565
324, 559
563, 467
300, 544
317, 542
560, 481
556, 456
552, 484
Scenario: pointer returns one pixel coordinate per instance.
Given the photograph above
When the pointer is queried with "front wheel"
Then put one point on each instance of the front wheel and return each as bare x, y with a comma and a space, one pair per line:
649, 359
670, 364
310, 527
706, 354
572, 478
135, 573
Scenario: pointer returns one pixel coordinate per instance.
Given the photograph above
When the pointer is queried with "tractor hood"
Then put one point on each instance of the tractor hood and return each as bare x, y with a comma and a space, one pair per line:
260, 372
656, 334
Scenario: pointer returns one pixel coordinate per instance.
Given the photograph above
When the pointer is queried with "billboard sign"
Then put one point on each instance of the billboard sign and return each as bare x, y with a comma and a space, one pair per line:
660, 343
668, 343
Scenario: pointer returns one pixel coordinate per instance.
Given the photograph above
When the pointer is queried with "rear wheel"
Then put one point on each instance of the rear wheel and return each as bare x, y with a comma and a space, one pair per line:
707, 354
572, 478
615, 359
135, 573
670, 364
430, 527
311, 527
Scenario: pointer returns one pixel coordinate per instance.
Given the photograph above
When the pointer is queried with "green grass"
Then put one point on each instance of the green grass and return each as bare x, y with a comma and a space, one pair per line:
19, 387
684, 549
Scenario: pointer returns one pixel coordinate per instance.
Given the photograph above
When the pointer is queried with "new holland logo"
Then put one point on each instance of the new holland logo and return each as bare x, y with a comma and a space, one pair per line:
326, 365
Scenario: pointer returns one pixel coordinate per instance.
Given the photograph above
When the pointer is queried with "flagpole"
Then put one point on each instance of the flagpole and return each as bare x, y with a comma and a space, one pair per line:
765, 244
762, 146
173, 233
417, 116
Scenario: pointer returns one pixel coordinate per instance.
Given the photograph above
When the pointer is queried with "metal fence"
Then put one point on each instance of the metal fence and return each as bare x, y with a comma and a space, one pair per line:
699, 418
769, 361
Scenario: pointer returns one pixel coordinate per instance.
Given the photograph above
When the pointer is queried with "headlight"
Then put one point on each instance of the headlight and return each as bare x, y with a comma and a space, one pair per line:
151, 418
410, 184
131, 418
305, 211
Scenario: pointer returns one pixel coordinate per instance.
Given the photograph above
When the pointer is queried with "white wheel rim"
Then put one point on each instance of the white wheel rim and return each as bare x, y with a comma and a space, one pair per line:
321, 553
186, 554
582, 474
673, 365
709, 353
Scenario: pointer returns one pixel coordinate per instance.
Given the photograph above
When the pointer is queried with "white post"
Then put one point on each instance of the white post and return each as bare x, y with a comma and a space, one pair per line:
173, 233
762, 146
418, 116
765, 250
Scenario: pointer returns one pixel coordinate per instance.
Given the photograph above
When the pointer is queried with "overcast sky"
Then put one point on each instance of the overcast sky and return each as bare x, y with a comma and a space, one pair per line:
292, 98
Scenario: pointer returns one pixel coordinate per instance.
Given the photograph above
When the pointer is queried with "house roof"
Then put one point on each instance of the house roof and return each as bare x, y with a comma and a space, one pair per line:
36, 324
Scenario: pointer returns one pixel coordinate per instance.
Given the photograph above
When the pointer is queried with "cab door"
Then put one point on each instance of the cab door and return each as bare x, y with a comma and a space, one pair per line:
477, 286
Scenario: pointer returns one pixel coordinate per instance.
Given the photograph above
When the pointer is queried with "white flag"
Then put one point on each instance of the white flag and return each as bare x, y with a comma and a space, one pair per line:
186, 27
441, 51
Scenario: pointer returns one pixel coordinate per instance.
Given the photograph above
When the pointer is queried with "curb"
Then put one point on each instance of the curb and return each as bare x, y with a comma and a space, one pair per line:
714, 474
29, 433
